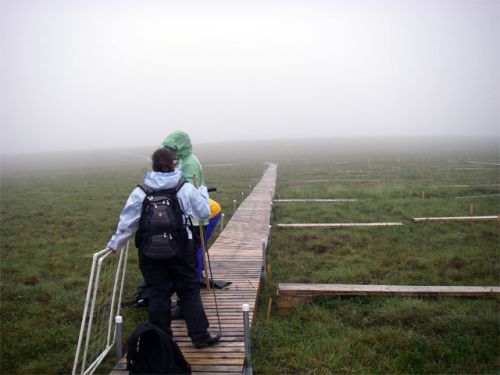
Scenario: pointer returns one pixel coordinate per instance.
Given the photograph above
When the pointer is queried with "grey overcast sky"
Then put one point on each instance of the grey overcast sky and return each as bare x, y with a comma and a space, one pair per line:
112, 73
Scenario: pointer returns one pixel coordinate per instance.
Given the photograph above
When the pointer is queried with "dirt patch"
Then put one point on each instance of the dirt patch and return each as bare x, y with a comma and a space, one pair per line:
457, 262
307, 237
489, 234
43, 297
33, 280
320, 249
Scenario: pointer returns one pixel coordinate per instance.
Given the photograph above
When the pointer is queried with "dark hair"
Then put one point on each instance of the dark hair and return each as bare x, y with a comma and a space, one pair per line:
163, 160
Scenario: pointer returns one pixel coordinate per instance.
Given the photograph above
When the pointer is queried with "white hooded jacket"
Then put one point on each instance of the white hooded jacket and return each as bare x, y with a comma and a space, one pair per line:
194, 202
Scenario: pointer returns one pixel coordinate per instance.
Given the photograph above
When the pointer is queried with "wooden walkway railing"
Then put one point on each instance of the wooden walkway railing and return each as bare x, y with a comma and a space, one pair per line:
235, 256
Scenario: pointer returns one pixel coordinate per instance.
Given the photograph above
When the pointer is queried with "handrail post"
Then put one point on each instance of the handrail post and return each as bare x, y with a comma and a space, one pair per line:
247, 366
264, 267
118, 337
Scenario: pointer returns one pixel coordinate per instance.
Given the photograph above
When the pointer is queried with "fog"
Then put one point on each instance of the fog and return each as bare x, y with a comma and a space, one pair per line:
79, 75
327, 151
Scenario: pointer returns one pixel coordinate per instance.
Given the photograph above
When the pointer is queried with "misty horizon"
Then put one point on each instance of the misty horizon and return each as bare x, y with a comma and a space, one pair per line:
392, 142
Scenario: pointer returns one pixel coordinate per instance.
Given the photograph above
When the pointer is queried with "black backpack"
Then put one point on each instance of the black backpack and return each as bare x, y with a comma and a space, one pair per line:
152, 351
161, 233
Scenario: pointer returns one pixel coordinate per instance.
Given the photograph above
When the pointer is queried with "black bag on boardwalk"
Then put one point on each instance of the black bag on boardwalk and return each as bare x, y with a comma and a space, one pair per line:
161, 233
152, 351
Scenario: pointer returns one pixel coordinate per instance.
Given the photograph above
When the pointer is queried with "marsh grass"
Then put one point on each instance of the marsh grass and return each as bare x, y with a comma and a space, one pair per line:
383, 334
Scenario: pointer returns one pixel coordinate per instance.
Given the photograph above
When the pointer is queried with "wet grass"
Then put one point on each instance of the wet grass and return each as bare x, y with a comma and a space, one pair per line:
383, 334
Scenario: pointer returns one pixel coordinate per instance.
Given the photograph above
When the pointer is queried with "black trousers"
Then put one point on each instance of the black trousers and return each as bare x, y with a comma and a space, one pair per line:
175, 274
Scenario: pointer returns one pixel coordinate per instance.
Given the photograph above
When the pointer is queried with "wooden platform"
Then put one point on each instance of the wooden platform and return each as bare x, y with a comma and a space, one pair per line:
235, 256
315, 200
337, 225
457, 218
293, 294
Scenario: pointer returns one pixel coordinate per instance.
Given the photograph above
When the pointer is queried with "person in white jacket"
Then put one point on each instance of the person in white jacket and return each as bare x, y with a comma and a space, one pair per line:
164, 276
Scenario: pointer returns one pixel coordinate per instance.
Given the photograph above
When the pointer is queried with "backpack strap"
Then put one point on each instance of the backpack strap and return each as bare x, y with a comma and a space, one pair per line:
145, 188
180, 184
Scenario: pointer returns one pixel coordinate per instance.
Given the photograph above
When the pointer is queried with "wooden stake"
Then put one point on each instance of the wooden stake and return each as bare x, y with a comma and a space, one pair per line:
423, 195
202, 242
269, 304
269, 271
472, 209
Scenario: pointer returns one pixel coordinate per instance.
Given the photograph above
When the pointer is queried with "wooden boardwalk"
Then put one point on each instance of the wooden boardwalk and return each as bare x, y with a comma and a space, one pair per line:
235, 256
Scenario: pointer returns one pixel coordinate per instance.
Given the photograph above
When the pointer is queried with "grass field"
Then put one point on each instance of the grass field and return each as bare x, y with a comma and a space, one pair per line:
384, 334
55, 215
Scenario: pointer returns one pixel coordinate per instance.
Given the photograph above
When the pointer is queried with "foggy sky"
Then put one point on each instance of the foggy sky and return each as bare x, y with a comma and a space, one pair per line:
98, 73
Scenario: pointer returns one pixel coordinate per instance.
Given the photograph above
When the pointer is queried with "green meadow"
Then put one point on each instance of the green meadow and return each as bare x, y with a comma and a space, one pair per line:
57, 210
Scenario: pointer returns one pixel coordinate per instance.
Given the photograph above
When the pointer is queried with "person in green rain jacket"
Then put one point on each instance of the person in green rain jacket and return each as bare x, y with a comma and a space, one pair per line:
179, 142
188, 162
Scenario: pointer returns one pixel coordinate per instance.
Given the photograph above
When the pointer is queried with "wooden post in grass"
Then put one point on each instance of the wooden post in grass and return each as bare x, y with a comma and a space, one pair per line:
269, 270
472, 209
269, 304
423, 195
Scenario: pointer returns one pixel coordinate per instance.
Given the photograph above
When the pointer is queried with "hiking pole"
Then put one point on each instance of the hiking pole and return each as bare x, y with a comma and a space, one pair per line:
206, 260
213, 291
202, 241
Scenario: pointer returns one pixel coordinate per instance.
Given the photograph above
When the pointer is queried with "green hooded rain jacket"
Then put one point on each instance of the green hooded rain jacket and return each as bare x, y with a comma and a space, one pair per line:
188, 162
